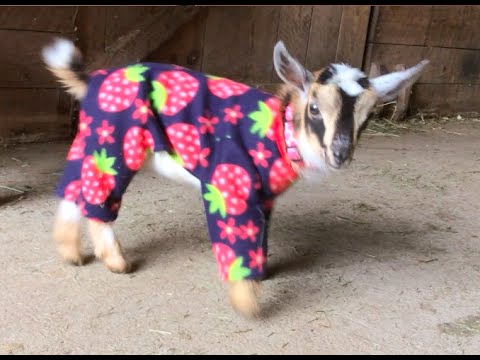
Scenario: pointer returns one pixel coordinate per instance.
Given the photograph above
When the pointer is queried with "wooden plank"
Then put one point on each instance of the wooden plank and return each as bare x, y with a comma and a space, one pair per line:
120, 19
387, 56
40, 18
32, 115
90, 24
239, 42
21, 64
455, 26
445, 98
453, 66
294, 31
407, 25
144, 37
353, 34
403, 99
185, 48
323, 37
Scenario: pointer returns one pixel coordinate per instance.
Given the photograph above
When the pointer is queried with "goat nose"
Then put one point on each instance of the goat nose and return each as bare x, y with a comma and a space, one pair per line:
340, 156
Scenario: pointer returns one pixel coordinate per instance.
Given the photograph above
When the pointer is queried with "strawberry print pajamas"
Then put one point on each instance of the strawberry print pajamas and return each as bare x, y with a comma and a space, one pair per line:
228, 135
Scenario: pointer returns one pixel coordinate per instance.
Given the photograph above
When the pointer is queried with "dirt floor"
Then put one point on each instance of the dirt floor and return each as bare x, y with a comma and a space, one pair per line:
383, 258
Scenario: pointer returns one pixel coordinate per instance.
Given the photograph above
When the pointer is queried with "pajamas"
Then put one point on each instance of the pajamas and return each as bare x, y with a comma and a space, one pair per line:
228, 135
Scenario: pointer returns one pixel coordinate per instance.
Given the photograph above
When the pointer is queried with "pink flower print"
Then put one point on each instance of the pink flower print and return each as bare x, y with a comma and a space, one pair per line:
142, 111
229, 230
256, 259
105, 133
260, 155
207, 124
202, 157
249, 231
232, 114
84, 121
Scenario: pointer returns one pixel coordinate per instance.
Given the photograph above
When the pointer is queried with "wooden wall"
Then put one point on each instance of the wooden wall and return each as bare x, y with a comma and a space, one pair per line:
448, 36
31, 105
236, 42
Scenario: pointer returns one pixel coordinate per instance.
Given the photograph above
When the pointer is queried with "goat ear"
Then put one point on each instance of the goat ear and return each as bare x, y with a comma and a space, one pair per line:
388, 86
289, 69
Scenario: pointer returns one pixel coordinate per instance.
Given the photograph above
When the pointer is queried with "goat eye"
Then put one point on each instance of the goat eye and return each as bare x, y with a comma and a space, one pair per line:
314, 109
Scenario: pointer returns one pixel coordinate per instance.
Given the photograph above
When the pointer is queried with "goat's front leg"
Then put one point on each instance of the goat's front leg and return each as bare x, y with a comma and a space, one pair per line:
107, 247
239, 246
244, 296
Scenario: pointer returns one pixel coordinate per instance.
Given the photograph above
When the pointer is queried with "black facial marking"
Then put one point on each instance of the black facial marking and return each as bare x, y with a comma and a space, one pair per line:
326, 75
345, 122
364, 82
316, 126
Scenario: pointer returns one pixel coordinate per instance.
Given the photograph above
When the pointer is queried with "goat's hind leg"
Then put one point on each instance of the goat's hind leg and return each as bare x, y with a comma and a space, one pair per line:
66, 232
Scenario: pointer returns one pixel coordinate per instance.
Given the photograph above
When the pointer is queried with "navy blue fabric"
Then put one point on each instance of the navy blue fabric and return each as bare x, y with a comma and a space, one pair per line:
229, 144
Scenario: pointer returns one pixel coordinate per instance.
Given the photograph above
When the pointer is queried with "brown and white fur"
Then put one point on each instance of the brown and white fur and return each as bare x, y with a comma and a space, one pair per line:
331, 110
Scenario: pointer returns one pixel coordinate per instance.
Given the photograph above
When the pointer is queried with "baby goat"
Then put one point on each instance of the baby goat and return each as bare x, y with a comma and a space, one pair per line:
242, 147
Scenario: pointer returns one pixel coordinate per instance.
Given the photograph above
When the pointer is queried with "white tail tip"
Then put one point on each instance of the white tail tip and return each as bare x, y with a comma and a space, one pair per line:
59, 54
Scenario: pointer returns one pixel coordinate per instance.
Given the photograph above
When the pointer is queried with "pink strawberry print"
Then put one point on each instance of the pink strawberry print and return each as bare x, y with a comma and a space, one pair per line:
173, 91
230, 267
120, 88
265, 117
281, 175
136, 143
228, 190
97, 177
76, 151
72, 190
225, 88
185, 140
229, 230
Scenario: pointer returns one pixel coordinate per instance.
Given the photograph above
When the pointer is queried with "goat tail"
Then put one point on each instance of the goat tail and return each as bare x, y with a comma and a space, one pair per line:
65, 61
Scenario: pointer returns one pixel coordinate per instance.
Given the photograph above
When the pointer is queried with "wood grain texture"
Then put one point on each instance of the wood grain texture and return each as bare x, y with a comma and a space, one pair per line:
445, 98
120, 19
407, 25
239, 42
90, 23
21, 64
39, 18
387, 56
447, 66
294, 30
455, 26
323, 37
32, 114
185, 47
353, 34
140, 40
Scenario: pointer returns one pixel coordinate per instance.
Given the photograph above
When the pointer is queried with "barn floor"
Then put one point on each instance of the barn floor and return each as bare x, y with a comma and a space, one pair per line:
383, 258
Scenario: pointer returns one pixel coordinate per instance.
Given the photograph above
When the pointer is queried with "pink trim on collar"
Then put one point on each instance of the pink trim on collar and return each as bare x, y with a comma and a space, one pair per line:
290, 135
